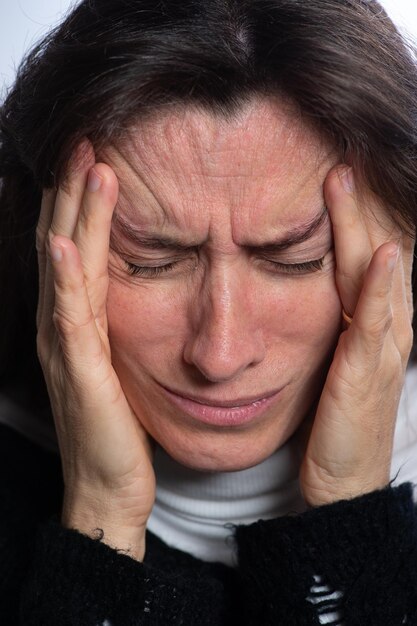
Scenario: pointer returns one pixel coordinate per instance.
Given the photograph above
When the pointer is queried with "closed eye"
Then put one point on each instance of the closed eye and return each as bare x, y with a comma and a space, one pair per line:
149, 272
306, 267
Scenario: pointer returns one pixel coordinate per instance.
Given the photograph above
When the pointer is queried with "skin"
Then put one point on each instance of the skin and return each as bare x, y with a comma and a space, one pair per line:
107, 340
223, 323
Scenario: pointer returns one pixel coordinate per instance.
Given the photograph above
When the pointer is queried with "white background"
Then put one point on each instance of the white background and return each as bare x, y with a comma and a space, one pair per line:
23, 22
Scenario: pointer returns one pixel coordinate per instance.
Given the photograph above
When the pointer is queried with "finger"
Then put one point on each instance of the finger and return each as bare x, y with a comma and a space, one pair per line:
73, 316
373, 315
45, 218
64, 218
402, 309
352, 246
70, 192
92, 232
408, 246
383, 225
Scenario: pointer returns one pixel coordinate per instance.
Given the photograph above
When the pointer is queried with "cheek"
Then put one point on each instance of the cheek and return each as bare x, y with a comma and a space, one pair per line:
145, 321
316, 311
299, 320
301, 316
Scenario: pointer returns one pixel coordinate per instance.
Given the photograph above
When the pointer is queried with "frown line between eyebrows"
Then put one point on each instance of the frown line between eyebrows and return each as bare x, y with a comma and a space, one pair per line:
152, 241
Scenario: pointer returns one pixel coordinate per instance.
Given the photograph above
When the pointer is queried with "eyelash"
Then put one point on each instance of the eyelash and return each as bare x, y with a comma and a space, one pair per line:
285, 268
299, 268
149, 272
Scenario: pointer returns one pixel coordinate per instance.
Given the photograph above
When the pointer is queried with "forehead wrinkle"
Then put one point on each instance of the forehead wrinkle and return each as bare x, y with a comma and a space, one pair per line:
174, 133
204, 138
178, 157
130, 177
199, 198
168, 175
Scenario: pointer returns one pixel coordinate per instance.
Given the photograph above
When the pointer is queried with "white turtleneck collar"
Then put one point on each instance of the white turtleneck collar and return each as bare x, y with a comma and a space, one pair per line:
195, 511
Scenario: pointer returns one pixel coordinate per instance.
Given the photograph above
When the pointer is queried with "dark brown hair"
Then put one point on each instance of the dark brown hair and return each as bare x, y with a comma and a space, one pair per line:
341, 62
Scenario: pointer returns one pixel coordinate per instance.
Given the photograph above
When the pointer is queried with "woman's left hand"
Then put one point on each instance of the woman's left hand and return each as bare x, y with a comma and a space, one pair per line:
350, 444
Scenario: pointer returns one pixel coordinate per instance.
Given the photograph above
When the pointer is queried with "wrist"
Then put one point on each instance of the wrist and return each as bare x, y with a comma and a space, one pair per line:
97, 520
320, 486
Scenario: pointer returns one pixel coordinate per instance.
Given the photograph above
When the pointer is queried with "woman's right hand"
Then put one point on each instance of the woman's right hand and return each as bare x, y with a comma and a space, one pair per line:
106, 454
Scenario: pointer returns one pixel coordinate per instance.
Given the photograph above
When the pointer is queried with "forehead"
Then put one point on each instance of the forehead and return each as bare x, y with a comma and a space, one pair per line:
258, 128
188, 157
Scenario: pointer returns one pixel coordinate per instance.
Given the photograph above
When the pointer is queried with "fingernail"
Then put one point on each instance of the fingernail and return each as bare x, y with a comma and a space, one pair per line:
347, 180
94, 181
56, 251
393, 258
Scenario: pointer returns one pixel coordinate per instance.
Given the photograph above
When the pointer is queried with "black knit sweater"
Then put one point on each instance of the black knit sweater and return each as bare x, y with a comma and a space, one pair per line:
364, 549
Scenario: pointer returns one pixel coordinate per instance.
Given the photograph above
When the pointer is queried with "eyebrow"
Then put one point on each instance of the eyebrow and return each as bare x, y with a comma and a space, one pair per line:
293, 237
150, 241
157, 242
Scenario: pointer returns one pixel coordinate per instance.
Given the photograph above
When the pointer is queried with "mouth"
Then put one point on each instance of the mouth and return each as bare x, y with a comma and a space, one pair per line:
222, 412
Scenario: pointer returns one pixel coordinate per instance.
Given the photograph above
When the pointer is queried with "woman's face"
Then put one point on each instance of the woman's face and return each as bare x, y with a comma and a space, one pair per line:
221, 327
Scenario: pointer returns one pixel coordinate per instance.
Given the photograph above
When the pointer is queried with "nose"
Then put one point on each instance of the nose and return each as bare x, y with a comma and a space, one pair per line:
226, 334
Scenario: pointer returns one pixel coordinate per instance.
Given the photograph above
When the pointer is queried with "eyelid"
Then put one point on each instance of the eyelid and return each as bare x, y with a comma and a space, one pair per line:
148, 262
304, 256
136, 258
305, 267
301, 253
149, 272
300, 267
167, 264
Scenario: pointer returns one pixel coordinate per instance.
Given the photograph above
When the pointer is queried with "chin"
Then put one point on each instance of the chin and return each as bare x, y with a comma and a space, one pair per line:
211, 463
222, 452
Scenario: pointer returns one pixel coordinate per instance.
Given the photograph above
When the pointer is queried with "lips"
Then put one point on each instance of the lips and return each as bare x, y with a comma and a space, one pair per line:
221, 412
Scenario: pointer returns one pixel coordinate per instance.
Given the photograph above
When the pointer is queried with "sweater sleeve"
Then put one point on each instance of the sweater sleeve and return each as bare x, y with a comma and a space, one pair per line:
356, 558
53, 576
79, 581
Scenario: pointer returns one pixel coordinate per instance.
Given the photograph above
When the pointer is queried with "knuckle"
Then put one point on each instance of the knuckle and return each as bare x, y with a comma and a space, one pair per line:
354, 274
379, 327
348, 275
61, 323
381, 294
83, 218
69, 285
66, 325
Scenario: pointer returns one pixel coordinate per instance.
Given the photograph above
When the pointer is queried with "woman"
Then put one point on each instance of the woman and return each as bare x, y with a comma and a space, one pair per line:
225, 242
